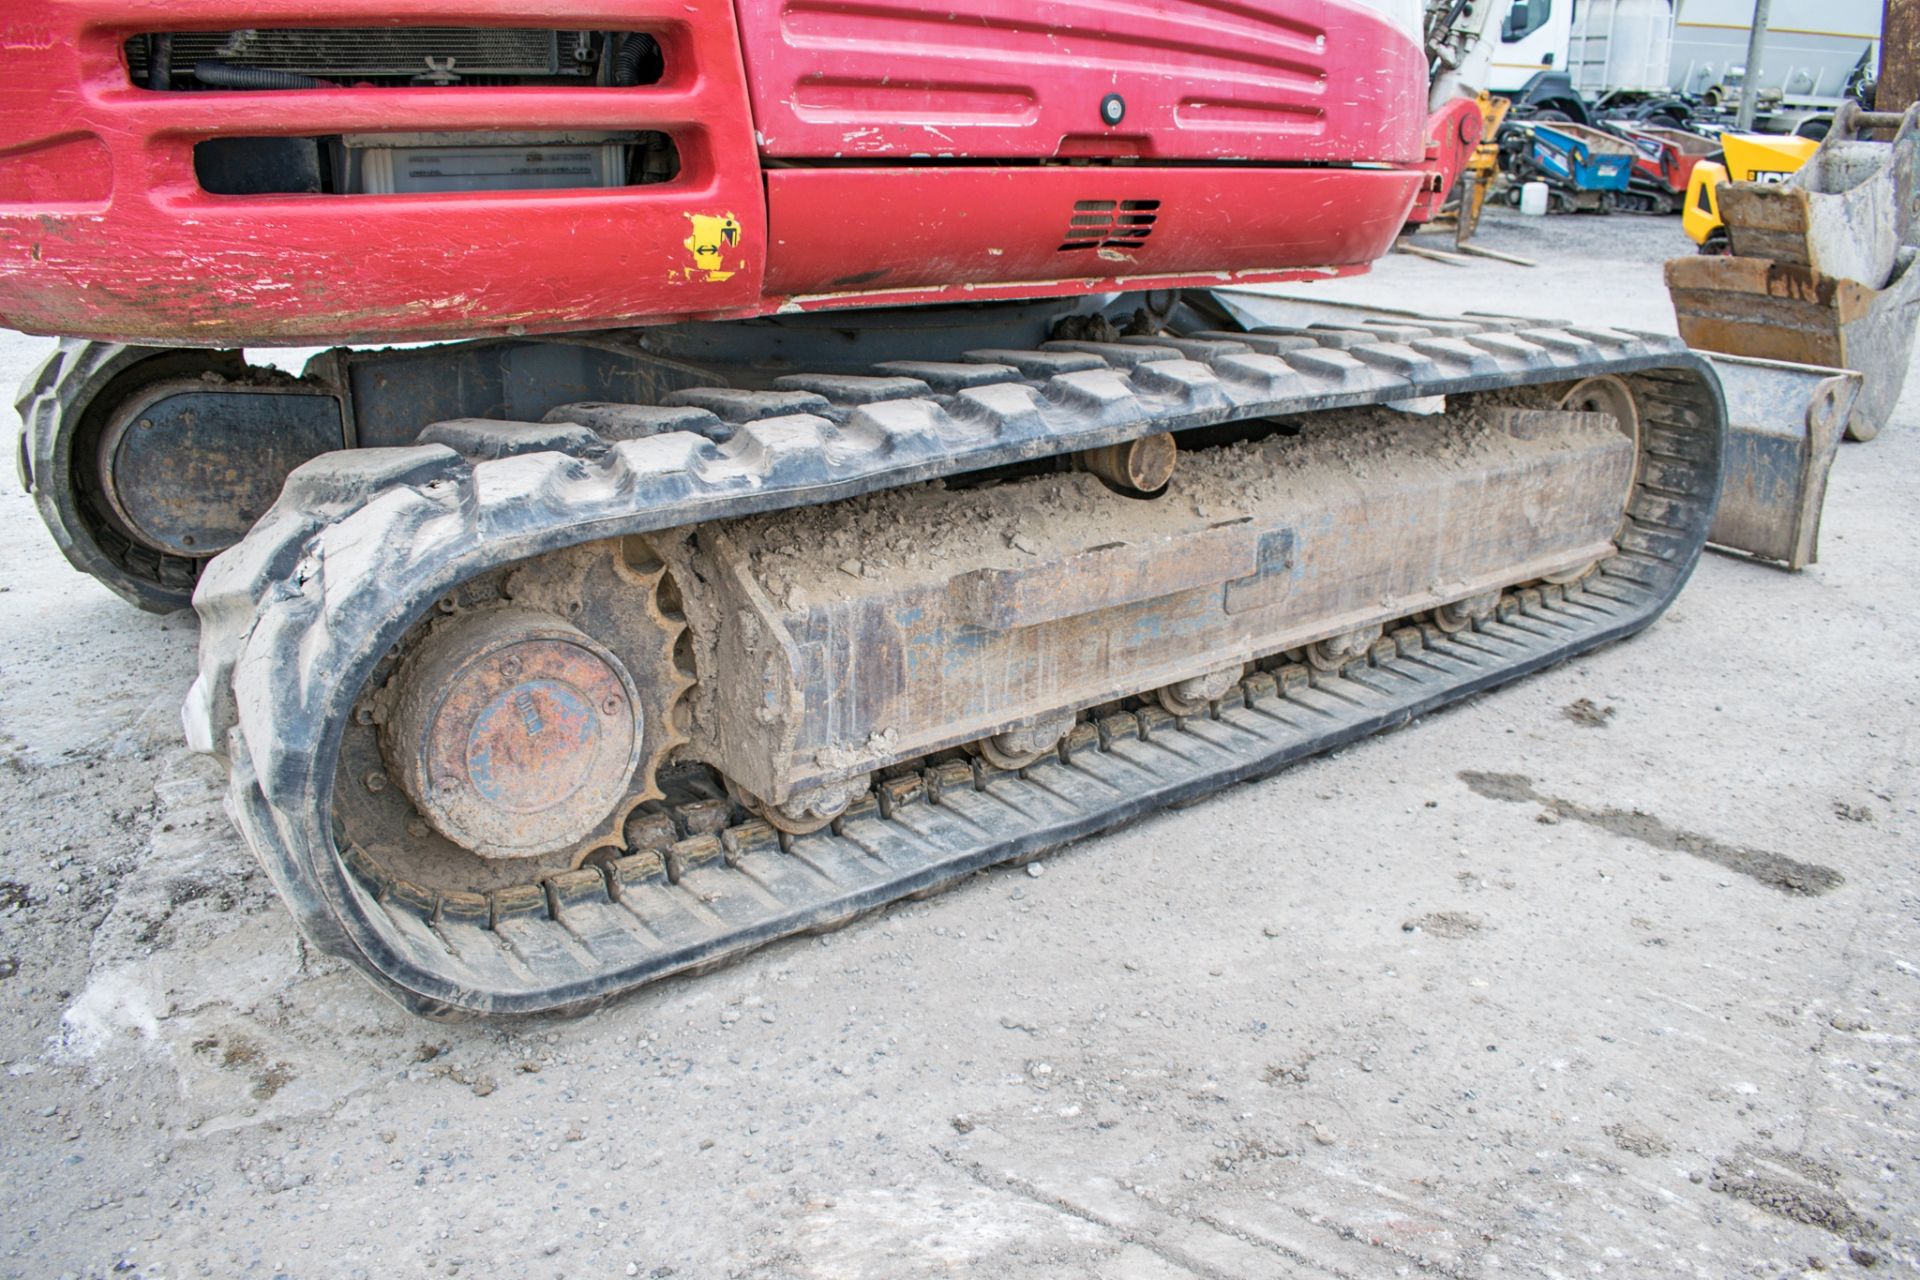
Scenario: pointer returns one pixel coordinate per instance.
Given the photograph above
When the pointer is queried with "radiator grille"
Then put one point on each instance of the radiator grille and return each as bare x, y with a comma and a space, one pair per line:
372, 52
1101, 224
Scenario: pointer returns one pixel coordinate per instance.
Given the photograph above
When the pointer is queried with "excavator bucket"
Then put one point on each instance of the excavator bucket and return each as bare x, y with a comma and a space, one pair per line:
1784, 423
1846, 212
1774, 311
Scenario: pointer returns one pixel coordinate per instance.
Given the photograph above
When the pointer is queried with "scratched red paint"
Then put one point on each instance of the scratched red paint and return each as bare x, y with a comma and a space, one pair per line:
104, 232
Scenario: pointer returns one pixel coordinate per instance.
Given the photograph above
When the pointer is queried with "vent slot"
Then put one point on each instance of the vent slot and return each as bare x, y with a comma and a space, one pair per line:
1110, 224
290, 57
433, 164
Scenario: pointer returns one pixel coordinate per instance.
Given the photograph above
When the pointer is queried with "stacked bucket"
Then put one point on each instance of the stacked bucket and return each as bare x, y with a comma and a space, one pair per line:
1823, 264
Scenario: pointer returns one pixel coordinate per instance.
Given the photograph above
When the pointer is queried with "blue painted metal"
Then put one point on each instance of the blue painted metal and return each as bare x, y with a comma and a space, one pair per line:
1584, 158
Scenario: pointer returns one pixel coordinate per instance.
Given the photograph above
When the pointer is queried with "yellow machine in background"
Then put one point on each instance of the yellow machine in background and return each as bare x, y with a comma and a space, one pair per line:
1745, 157
1482, 169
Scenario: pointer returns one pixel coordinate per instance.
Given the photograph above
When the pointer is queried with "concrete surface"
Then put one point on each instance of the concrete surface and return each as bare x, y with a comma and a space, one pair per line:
1391, 1013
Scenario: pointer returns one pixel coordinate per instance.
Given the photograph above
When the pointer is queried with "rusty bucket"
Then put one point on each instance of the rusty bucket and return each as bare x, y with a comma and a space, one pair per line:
1776, 311
1784, 423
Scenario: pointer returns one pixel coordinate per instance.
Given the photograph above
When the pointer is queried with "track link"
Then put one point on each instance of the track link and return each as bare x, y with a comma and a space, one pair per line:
362, 544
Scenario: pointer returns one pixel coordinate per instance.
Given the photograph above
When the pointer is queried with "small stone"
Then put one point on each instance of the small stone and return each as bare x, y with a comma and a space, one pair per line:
706, 1144
484, 1085
1270, 930
962, 1124
633, 1268
1863, 1256
574, 1134
1036, 869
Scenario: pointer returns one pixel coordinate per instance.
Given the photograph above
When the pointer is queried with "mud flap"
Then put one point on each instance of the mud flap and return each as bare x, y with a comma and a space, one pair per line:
1784, 423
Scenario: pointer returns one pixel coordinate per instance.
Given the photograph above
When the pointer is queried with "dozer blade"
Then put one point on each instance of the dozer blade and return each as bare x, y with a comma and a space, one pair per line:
1846, 212
1773, 311
1784, 423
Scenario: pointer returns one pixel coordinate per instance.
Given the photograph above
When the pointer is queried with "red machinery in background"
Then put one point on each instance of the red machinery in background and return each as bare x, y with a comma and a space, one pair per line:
1663, 162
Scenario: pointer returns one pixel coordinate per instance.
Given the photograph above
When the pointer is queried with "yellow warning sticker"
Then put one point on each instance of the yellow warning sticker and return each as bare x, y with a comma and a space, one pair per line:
713, 235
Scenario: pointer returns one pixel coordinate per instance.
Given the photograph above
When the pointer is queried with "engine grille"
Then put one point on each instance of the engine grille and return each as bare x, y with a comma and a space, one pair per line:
1097, 224
372, 52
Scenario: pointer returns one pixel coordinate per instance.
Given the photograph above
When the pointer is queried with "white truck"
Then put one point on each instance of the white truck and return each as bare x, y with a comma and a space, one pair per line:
1696, 48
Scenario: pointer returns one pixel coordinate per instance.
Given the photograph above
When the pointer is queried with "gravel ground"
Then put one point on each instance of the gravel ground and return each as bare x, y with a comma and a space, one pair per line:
1492, 995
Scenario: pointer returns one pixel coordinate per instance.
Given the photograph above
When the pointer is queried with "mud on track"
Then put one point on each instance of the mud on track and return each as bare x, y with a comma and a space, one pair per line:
1206, 1045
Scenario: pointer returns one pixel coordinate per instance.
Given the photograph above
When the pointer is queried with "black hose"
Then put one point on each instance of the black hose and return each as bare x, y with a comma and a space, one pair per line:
638, 62
224, 75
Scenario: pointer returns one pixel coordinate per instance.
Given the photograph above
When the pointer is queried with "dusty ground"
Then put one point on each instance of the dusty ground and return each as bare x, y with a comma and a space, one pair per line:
1494, 995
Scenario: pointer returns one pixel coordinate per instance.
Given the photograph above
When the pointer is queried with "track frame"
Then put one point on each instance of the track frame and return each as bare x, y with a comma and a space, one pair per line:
297, 617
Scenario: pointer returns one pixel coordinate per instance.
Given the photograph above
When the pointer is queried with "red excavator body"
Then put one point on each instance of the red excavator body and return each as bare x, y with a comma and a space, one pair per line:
801, 154
821, 465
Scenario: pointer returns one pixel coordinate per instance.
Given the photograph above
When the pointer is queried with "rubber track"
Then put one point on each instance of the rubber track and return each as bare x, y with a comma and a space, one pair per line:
60, 387
362, 543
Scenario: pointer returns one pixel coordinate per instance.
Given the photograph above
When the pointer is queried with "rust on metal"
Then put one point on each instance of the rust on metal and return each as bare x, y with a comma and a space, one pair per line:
1784, 424
514, 733
1137, 467
1768, 311
1023, 744
1846, 212
1056, 593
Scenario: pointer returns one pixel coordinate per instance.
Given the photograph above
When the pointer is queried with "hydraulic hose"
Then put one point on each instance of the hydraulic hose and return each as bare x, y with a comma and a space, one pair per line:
638, 61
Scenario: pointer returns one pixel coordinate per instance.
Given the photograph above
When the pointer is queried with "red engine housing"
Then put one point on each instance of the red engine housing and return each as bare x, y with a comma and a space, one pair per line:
833, 153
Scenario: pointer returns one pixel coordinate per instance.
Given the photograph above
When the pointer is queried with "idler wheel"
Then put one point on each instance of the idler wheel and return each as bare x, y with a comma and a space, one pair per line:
513, 733
1612, 396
